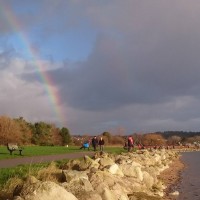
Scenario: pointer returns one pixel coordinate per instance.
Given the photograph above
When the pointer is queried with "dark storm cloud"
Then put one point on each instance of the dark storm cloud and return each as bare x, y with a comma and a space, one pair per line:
151, 66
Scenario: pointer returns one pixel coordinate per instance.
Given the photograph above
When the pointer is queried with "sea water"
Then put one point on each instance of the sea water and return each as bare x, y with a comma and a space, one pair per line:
189, 186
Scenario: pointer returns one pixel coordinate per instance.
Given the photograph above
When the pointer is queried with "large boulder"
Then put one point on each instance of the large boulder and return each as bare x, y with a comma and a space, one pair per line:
45, 191
101, 180
114, 169
72, 164
148, 180
106, 161
87, 163
78, 187
134, 171
69, 175
108, 195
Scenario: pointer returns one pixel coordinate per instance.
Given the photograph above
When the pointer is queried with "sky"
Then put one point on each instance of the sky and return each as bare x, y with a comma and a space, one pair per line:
93, 66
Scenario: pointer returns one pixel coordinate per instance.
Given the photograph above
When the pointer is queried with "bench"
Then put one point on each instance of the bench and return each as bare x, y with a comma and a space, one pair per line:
14, 147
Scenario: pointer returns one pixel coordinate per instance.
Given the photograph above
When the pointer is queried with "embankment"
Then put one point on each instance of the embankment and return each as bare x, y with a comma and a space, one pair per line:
128, 176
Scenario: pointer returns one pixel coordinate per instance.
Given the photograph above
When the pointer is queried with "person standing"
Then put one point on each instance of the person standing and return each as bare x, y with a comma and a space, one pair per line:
130, 143
95, 143
101, 144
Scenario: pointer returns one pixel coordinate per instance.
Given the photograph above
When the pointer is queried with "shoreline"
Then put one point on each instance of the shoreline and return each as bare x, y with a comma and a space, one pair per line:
171, 177
110, 176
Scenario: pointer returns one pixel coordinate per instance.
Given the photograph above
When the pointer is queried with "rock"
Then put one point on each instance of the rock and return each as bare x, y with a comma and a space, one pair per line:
133, 198
88, 163
106, 161
90, 196
129, 170
175, 193
148, 180
78, 187
72, 164
114, 169
17, 198
101, 180
69, 175
108, 195
45, 191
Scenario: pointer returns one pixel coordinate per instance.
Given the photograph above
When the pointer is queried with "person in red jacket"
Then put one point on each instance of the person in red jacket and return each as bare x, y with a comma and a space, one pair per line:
130, 143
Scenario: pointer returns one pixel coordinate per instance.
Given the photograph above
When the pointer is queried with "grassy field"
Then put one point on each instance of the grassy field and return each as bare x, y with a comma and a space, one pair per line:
49, 150
37, 150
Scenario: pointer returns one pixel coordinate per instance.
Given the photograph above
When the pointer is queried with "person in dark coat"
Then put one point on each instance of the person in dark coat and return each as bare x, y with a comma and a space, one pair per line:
101, 144
95, 143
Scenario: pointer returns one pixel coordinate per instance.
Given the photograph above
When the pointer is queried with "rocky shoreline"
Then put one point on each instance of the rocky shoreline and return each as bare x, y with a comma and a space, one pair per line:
171, 177
128, 176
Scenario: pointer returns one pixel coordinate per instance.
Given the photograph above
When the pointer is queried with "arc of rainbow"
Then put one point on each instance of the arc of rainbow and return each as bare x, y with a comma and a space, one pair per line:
51, 91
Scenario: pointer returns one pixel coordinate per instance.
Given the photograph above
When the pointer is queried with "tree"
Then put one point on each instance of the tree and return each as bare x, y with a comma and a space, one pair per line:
107, 137
9, 131
56, 137
153, 139
25, 129
174, 140
42, 133
66, 137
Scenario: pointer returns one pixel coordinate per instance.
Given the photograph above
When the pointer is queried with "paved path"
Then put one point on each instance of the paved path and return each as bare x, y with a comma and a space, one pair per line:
40, 159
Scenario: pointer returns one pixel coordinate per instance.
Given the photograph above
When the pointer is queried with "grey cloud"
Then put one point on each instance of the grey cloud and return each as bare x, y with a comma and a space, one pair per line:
115, 75
152, 61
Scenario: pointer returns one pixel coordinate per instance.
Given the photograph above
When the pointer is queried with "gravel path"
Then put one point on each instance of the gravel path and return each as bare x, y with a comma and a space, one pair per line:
40, 159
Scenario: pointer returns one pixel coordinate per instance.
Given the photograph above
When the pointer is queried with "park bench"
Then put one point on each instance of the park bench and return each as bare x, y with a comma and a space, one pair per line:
14, 147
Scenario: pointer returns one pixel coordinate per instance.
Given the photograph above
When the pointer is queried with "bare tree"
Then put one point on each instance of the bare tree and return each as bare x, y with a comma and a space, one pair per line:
174, 140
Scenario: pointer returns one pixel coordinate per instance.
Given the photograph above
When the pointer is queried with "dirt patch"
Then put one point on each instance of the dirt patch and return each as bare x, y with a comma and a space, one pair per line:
171, 177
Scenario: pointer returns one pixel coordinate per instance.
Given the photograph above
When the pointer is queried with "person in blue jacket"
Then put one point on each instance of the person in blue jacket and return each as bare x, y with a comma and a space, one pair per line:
85, 145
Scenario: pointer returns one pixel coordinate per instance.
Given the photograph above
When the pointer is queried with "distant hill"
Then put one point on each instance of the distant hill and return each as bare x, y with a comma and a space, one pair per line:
182, 134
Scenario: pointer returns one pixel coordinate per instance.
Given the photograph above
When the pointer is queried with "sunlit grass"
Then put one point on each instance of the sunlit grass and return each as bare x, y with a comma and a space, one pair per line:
38, 150
12, 177
50, 150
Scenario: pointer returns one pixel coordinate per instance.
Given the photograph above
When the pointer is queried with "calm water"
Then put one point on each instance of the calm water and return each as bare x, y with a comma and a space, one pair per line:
189, 187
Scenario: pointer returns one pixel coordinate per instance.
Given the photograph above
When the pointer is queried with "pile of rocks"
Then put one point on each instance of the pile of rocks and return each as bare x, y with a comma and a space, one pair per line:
105, 177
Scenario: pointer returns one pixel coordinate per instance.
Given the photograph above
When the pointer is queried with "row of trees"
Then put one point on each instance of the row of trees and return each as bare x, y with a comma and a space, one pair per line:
40, 133
20, 131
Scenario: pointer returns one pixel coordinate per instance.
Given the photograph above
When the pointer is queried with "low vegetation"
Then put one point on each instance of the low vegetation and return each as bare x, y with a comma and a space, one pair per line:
11, 177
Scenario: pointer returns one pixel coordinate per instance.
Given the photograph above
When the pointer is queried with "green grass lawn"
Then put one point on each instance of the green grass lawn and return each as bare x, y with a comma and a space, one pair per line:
37, 150
49, 150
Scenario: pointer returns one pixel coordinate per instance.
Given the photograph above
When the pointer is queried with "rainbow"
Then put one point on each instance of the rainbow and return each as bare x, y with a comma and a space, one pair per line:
49, 87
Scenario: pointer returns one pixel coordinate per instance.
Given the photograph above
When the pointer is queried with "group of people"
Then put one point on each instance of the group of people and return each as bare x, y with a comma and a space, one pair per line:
129, 144
95, 143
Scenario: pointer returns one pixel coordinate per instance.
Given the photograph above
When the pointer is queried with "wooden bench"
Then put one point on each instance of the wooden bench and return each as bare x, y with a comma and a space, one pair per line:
14, 147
